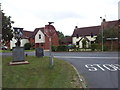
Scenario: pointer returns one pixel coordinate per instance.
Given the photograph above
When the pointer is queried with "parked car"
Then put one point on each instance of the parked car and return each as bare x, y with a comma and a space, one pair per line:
3, 47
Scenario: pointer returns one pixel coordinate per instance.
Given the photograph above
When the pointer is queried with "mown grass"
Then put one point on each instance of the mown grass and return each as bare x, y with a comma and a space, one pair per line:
7, 51
37, 74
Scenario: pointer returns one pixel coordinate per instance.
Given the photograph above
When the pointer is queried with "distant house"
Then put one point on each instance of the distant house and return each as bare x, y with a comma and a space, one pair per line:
39, 38
66, 40
89, 34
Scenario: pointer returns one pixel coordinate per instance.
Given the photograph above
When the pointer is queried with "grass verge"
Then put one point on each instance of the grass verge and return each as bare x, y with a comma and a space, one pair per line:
37, 74
7, 51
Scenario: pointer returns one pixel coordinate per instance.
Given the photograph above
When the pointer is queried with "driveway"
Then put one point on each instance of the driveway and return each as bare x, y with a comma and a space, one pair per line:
100, 69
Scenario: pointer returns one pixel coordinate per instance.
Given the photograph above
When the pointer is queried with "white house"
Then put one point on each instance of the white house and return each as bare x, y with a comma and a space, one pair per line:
24, 40
13, 41
40, 37
89, 34
86, 34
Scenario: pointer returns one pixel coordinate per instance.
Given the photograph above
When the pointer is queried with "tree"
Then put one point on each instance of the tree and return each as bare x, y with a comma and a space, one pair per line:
7, 34
27, 46
108, 33
60, 35
84, 43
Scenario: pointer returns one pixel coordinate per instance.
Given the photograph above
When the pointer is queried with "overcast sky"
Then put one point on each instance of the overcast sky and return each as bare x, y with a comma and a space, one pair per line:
31, 14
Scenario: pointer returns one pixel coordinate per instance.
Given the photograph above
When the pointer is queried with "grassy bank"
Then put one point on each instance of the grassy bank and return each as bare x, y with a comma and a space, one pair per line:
7, 51
37, 74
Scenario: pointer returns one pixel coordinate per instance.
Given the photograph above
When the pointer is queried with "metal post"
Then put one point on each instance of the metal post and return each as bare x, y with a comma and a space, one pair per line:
102, 28
50, 53
102, 37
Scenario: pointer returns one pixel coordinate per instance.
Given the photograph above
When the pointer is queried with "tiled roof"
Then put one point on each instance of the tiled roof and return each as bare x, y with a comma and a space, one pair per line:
67, 39
27, 34
94, 30
36, 30
86, 31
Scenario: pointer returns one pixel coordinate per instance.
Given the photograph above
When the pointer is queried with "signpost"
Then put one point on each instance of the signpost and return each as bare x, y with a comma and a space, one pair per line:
49, 32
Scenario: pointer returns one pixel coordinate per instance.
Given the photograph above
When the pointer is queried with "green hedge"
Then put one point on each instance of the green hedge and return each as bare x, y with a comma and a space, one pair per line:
95, 46
60, 48
27, 46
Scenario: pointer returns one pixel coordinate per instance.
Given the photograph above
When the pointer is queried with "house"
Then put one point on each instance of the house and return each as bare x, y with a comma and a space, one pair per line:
89, 34
67, 40
39, 38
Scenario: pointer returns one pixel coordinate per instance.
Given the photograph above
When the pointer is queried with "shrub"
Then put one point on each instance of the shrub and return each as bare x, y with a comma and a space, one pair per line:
95, 46
27, 46
60, 48
54, 48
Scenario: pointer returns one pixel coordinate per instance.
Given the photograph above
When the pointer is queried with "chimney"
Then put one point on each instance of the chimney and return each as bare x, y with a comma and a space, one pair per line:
50, 23
76, 27
104, 20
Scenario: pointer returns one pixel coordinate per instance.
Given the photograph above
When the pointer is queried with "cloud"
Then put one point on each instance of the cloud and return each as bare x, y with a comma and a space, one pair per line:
66, 14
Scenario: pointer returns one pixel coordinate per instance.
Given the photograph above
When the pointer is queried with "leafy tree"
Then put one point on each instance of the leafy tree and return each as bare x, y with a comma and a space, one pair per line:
6, 28
84, 43
60, 35
108, 33
27, 46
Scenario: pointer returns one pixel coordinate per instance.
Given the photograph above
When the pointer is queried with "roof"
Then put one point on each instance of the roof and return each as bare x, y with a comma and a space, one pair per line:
67, 39
111, 24
36, 30
27, 34
94, 30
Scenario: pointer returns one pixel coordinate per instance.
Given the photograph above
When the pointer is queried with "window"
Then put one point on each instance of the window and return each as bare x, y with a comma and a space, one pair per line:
39, 36
77, 43
91, 35
77, 35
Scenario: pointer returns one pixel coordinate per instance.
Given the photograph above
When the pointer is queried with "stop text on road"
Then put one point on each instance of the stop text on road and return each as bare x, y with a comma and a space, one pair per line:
103, 67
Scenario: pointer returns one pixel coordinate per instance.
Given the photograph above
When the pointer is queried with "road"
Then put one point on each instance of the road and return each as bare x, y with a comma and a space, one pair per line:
100, 69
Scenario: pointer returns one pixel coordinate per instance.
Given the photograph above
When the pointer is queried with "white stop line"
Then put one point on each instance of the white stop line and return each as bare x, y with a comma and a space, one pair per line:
86, 57
103, 67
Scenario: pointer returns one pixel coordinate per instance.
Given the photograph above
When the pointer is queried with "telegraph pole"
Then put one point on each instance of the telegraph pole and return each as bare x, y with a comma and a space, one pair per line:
102, 29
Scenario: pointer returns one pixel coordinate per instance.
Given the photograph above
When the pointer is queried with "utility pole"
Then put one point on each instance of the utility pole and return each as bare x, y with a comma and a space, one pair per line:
102, 29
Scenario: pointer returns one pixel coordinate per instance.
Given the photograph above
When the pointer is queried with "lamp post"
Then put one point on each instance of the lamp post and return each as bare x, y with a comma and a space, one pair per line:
102, 28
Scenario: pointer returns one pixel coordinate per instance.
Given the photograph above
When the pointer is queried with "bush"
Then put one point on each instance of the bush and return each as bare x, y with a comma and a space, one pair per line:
54, 48
27, 46
95, 46
60, 48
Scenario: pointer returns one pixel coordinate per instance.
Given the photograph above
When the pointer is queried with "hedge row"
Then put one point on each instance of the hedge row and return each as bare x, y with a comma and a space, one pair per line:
60, 48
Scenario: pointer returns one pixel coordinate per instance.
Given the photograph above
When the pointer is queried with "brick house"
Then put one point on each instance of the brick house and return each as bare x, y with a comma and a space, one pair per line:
89, 34
39, 37
66, 40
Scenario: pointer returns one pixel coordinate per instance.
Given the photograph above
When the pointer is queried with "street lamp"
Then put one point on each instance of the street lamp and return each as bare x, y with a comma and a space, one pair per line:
102, 28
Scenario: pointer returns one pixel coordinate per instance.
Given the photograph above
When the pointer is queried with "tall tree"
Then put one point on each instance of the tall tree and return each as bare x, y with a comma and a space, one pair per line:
107, 33
110, 33
60, 35
6, 28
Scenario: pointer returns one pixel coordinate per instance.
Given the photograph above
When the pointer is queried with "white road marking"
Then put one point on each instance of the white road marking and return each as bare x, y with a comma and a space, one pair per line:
103, 67
86, 57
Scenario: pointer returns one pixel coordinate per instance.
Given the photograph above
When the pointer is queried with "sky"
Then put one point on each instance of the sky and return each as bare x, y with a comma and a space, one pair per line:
66, 14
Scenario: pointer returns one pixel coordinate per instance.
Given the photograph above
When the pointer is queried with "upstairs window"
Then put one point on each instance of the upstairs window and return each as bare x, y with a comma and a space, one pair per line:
91, 35
77, 35
39, 36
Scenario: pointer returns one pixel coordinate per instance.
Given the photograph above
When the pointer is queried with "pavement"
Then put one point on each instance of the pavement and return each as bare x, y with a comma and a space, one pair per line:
100, 69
